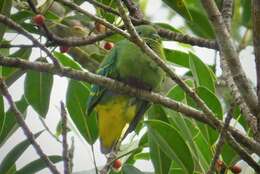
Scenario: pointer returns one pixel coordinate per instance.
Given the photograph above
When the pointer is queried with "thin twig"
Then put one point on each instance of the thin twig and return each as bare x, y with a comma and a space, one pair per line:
120, 87
71, 154
229, 51
25, 128
95, 18
242, 153
113, 11
48, 130
17, 46
12, 24
94, 158
64, 129
133, 9
221, 141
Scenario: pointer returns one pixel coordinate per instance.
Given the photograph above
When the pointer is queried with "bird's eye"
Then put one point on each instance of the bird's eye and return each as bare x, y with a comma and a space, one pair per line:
139, 32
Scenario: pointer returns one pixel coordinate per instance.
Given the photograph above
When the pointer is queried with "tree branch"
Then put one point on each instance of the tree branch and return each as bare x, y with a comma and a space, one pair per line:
136, 21
95, 18
184, 38
65, 153
133, 9
135, 38
220, 142
250, 119
10, 23
126, 89
25, 128
227, 13
242, 153
229, 51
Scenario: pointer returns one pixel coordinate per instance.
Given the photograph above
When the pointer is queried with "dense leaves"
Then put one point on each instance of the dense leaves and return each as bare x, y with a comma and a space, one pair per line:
14, 154
8, 121
172, 142
37, 91
77, 95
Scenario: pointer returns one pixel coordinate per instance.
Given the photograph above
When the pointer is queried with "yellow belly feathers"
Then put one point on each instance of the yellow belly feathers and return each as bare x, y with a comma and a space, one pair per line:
113, 116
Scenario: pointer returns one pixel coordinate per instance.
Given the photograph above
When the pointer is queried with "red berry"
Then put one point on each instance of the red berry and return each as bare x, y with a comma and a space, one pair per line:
38, 19
117, 164
108, 45
235, 169
64, 49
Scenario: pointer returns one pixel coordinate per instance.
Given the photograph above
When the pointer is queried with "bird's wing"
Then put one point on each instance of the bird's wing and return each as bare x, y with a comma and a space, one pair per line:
107, 68
143, 106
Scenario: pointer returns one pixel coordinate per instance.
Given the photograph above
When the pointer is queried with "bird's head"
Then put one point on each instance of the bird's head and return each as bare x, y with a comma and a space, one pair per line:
149, 34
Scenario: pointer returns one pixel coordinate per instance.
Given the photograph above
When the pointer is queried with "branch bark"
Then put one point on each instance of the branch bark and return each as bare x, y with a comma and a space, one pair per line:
25, 128
228, 49
10, 23
126, 89
65, 153
227, 13
220, 142
184, 38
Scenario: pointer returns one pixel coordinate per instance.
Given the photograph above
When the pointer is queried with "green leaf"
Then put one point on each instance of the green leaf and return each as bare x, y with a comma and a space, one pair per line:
142, 156
171, 143
76, 100
211, 101
215, 106
160, 160
12, 170
37, 165
200, 24
2, 115
177, 93
246, 13
108, 16
23, 53
166, 26
5, 8
229, 156
8, 121
38, 87
66, 61
15, 153
22, 15
201, 73
30, 28
127, 169
177, 57
204, 148
180, 7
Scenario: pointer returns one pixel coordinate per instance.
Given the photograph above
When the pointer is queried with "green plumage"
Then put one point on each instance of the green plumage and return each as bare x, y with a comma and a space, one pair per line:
127, 63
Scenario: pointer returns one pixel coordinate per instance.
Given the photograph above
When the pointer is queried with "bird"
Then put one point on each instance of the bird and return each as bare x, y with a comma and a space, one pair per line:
118, 114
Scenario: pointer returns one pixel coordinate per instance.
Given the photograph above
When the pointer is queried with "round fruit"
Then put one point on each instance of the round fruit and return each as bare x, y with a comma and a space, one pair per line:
100, 28
117, 164
108, 45
38, 19
64, 49
235, 169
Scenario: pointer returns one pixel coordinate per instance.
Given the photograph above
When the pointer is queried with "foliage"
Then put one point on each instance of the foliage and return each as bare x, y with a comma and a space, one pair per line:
175, 143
